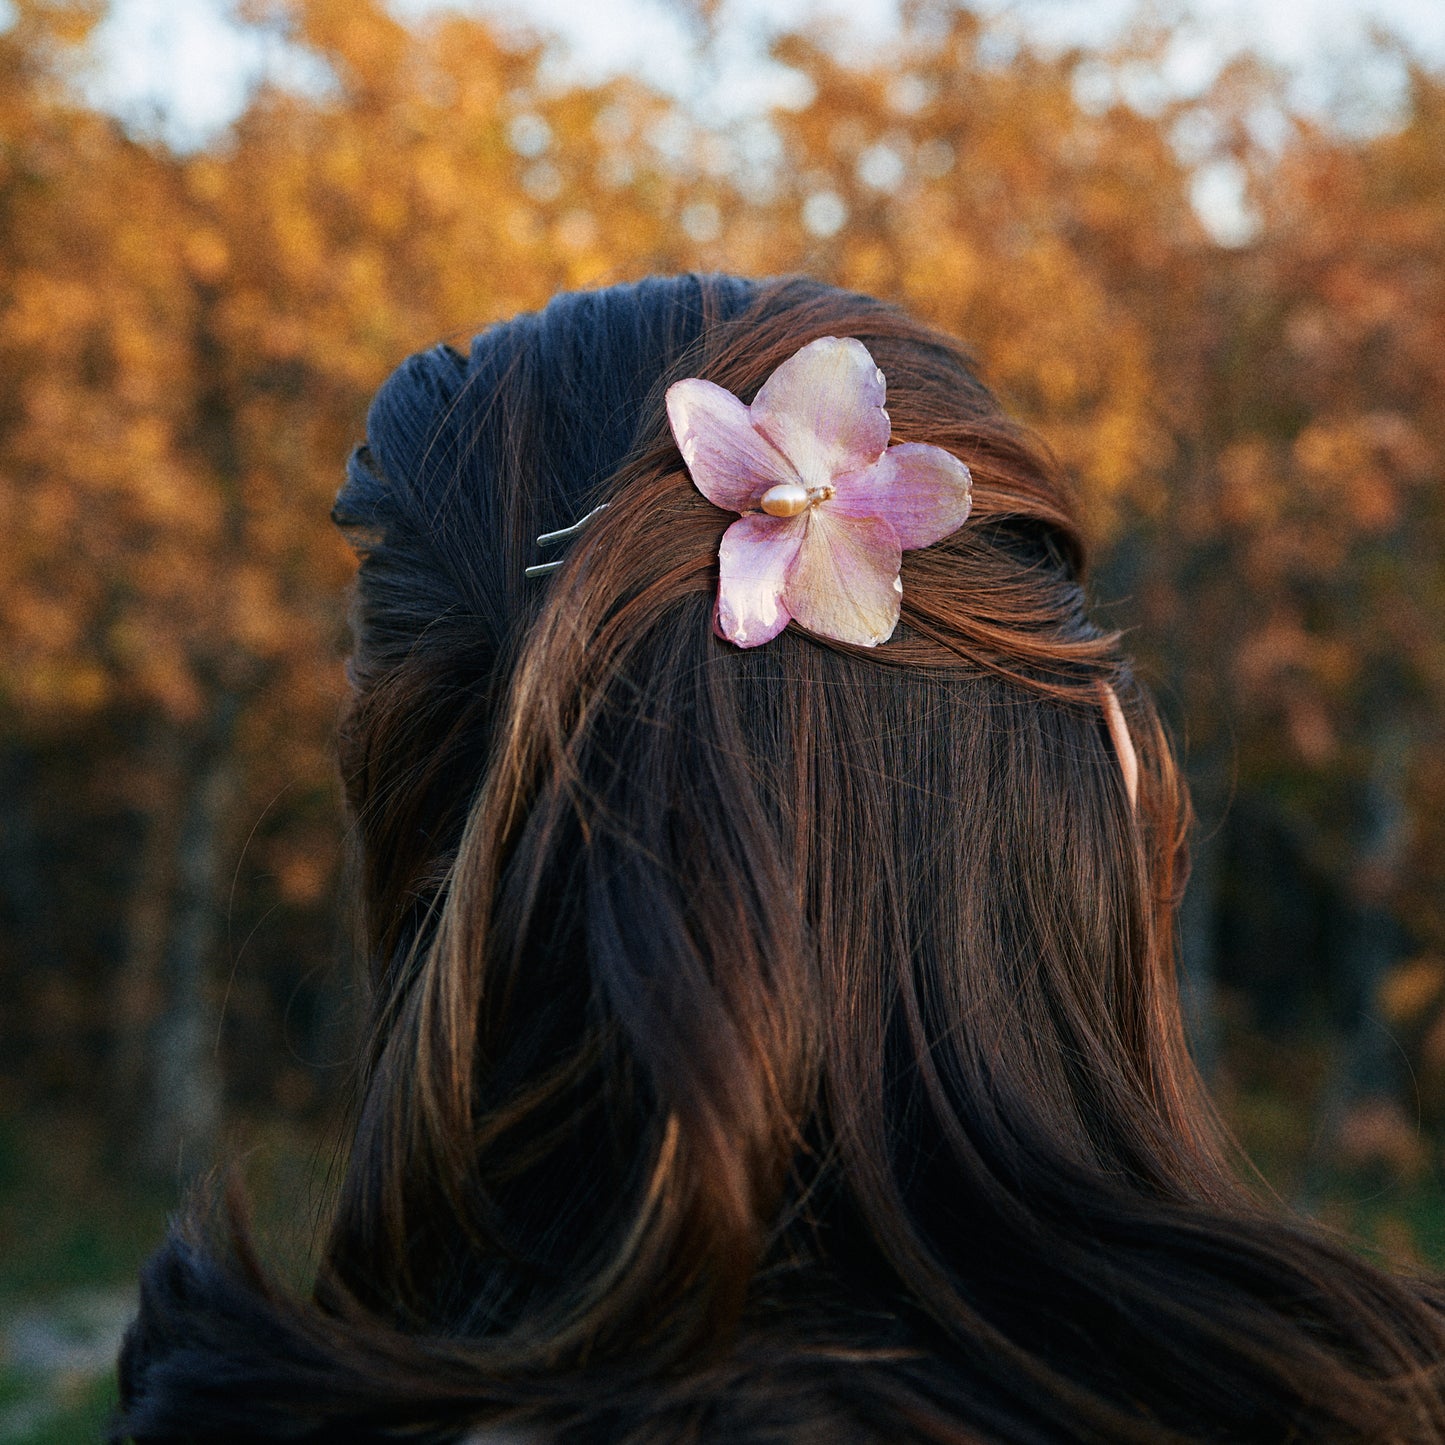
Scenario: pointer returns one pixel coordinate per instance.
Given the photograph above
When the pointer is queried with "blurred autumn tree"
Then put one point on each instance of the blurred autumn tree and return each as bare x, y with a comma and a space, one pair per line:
1326, 493
190, 342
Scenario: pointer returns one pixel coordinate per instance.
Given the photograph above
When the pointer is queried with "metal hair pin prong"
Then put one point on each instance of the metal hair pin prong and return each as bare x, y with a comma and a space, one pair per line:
548, 539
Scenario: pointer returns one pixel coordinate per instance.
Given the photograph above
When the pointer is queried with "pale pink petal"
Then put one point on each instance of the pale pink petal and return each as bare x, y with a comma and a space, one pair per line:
823, 409
753, 563
844, 583
924, 491
730, 462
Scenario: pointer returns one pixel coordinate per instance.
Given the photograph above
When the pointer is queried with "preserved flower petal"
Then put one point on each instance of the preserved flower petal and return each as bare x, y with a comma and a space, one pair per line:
843, 505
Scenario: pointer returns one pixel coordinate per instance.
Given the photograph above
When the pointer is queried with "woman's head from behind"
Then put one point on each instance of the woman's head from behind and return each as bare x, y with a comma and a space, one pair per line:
682, 950
769, 1044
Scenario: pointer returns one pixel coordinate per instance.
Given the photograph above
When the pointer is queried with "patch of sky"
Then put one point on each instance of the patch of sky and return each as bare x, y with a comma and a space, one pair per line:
824, 214
183, 73
757, 152
1219, 193
184, 69
1360, 83
998, 47
881, 167
910, 94
529, 134
543, 181
702, 221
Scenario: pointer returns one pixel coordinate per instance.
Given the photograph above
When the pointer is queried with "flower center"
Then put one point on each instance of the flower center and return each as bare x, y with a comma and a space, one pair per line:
789, 499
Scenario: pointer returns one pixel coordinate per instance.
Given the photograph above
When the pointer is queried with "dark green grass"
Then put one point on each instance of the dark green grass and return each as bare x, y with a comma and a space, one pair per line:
75, 1232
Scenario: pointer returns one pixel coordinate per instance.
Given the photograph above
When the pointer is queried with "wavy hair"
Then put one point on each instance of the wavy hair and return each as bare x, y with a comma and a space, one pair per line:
772, 1045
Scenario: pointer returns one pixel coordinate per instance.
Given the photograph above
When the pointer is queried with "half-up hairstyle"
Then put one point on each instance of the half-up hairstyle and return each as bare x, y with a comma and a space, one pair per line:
771, 1045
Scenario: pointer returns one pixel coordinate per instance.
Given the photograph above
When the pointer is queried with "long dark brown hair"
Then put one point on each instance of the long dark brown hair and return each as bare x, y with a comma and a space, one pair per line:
775, 1045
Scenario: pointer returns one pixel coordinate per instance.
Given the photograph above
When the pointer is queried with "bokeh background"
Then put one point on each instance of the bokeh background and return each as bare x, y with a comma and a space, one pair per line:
1202, 253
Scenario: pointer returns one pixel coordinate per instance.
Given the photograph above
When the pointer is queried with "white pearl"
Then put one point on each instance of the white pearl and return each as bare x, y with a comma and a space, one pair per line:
786, 499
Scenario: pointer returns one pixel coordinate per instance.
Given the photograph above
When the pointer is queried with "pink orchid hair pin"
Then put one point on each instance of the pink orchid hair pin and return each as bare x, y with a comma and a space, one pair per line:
827, 506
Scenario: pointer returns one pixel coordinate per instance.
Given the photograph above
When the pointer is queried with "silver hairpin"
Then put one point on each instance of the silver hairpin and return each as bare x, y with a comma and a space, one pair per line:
546, 539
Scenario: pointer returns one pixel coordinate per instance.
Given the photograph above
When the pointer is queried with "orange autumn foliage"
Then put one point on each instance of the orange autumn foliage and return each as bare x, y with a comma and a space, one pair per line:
190, 341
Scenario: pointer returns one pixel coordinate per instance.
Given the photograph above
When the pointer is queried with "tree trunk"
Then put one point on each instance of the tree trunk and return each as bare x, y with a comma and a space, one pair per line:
136, 993
1198, 916
1364, 1081
26, 903
185, 1096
